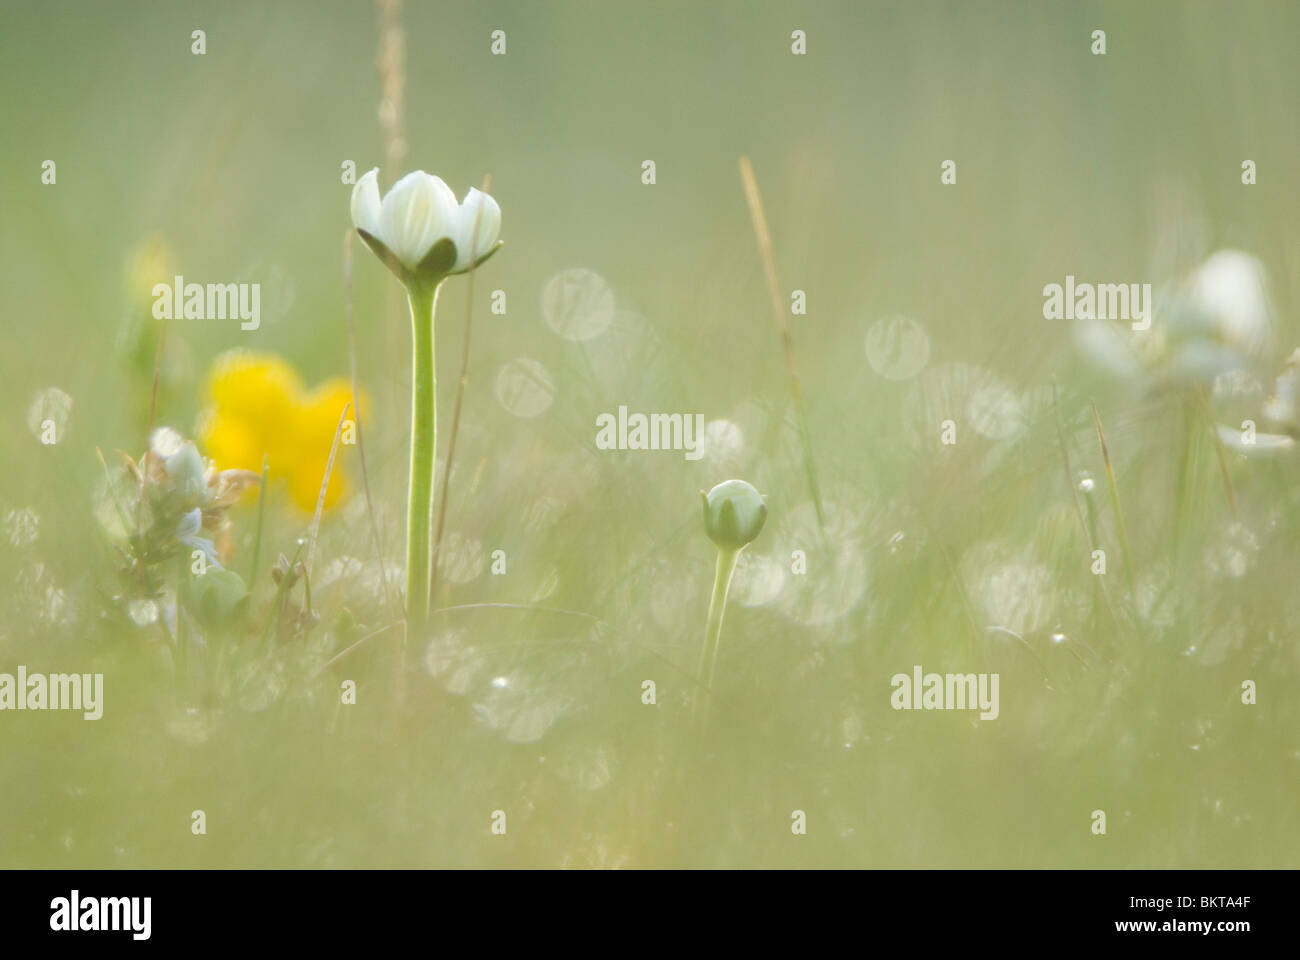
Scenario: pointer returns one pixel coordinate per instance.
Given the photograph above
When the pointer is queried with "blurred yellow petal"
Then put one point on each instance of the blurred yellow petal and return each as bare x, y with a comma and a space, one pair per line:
319, 410
259, 406
259, 387
304, 483
230, 443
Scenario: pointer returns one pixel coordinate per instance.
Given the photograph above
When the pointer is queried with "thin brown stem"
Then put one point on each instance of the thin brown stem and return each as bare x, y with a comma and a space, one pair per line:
764, 237
460, 399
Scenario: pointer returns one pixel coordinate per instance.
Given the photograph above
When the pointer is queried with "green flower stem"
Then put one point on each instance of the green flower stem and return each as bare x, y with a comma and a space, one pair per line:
424, 445
727, 557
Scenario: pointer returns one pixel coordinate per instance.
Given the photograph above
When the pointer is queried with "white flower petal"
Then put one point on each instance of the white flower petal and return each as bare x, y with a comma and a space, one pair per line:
1231, 289
444, 210
417, 213
206, 547
185, 469
1107, 348
365, 203
189, 525
1281, 407
1265, 444
165, 442
480, 224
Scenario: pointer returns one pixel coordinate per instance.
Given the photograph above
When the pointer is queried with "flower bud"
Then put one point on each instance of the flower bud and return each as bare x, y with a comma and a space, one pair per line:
734, 513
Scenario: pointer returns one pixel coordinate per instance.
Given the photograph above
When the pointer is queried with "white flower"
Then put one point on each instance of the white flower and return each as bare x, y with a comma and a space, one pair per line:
1230, 290
1281, 407
1217, 320
419, 212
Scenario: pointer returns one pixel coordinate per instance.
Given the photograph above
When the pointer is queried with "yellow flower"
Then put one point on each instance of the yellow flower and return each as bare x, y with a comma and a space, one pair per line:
318, 417
257, 405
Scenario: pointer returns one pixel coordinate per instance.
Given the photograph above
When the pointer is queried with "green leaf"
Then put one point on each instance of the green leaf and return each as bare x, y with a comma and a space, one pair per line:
219, 596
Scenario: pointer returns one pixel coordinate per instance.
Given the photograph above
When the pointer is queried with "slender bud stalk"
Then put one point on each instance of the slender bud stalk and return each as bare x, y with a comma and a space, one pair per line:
734, 514
727, 557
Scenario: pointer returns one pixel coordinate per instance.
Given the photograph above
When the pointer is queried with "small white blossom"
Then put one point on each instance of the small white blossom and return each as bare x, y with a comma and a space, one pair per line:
418, 213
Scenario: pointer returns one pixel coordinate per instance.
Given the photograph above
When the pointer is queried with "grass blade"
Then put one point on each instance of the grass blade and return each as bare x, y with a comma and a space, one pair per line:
324, 486
261, 522
460, 399
1114, 501
764, 236
356, 406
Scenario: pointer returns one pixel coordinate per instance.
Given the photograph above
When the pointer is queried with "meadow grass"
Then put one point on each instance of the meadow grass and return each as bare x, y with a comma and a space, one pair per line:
1120, 692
